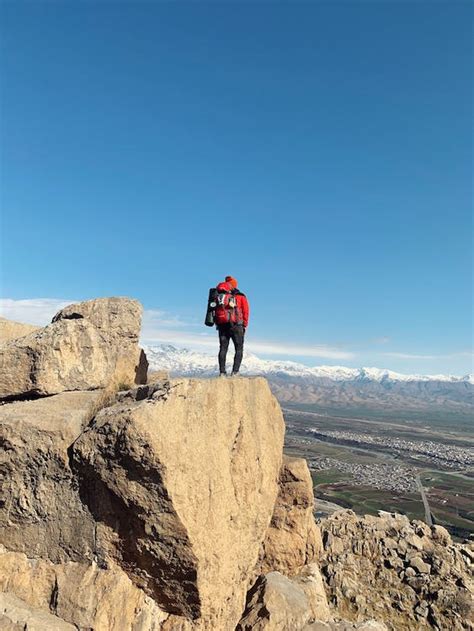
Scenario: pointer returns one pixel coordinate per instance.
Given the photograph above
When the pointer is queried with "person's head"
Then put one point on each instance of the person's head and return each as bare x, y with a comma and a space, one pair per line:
232, 281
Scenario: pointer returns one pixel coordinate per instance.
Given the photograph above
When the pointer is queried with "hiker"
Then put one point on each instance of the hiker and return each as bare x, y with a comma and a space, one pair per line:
231, 318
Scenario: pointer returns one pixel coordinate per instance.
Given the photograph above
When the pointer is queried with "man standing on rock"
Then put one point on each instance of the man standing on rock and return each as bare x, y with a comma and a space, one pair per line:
231, 319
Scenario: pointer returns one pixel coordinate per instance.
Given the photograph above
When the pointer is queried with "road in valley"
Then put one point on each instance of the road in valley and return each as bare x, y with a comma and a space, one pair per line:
428, 518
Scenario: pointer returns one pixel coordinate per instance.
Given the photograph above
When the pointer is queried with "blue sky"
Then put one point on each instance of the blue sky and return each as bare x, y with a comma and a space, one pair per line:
319, 152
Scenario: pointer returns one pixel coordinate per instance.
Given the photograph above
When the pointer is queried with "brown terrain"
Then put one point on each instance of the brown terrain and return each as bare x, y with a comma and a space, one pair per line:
131, 503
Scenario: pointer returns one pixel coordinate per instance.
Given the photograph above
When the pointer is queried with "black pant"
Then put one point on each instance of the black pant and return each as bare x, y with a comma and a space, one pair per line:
234, 332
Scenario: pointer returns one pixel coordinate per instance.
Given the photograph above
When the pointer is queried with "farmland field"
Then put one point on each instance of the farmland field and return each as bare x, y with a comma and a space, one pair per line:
383, 463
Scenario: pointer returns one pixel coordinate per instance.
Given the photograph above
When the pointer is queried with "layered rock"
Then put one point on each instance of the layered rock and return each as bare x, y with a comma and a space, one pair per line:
87, 346
404, 573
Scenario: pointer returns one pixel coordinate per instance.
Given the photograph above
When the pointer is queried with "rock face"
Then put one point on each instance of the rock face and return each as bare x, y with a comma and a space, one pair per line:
293, 539
404, 573
40, 510
87, 346
182, 486
16, 615
10, 330
83, 594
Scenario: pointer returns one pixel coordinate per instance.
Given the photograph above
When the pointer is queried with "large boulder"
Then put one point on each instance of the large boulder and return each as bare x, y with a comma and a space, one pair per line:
182, 486
278, 603
87, 346
293, 540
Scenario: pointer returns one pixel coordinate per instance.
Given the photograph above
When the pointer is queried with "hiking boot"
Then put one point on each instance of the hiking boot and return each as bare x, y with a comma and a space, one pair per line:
223, 374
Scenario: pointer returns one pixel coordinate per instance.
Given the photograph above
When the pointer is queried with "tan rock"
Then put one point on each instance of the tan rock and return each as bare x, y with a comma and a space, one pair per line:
63, 416
344, 625
439, 533
16, 615
84, 596
414, 541
420, 566
87, 346
277, 603
183, 486
293, 540
10, 330
41, 512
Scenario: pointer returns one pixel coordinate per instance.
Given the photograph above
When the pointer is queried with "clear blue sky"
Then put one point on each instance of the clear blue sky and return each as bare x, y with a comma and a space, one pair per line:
319, 152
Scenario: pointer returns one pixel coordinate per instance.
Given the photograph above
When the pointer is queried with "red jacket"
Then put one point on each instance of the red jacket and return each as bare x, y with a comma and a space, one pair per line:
242, 306
242, 309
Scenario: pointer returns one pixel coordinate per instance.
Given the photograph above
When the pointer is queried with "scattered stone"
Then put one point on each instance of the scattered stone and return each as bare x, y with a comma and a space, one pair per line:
422, 609
414, 541
342, 625
154, 390
389, 543
421, 529
435, 570
394, 562
420, 566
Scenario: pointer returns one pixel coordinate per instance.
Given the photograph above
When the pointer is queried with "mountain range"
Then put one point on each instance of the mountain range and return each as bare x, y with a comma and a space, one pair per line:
331, 386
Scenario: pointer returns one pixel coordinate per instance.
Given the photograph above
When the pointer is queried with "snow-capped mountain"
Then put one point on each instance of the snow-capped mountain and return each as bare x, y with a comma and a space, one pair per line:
185, 362
334, 387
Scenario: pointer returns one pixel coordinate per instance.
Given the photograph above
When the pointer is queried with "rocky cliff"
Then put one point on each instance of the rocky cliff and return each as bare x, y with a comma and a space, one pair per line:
165, 506
172, 487
154, 507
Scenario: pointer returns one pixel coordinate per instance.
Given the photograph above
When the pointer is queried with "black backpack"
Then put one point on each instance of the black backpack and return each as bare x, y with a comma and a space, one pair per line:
211, 307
